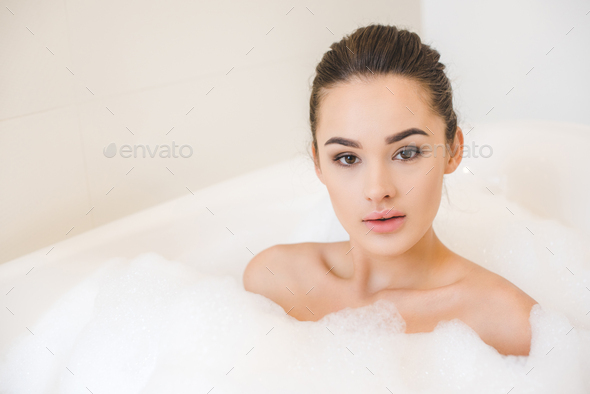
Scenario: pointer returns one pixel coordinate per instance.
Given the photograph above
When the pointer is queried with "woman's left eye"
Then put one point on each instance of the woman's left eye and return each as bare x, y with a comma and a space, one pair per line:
408, 154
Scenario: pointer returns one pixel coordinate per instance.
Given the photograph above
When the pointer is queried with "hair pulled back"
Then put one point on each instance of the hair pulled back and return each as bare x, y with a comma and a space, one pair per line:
376, 50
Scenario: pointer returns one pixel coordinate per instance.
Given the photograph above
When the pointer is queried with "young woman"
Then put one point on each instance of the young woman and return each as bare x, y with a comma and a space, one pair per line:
384, 134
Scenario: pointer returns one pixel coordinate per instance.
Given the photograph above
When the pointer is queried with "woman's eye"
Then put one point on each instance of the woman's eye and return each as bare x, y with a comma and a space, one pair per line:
407, 154
348, 160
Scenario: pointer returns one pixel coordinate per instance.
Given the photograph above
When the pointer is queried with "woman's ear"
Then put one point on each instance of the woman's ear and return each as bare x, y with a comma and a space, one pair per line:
316, 163
455, 152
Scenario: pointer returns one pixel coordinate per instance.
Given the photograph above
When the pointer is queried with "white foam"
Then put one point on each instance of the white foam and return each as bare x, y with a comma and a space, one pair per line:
160, 326
151, 325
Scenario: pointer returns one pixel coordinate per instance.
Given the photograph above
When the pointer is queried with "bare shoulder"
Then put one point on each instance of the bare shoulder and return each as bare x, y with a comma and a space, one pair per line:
499, 312
275, 264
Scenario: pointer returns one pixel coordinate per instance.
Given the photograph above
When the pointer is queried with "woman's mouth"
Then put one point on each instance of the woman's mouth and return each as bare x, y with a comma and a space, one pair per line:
385, 225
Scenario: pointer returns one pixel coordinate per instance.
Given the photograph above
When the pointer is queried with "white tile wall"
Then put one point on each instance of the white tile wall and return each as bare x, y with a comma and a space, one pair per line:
128, 73
514, 59
44, 187
33, 59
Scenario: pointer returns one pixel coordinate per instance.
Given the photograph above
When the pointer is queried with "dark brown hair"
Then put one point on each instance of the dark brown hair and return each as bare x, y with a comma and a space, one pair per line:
376, 50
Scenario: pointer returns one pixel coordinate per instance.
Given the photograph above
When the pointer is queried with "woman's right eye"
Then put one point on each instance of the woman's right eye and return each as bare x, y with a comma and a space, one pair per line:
349, 160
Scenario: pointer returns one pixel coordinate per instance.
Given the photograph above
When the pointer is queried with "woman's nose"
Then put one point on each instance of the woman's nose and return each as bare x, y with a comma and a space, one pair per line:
379, 183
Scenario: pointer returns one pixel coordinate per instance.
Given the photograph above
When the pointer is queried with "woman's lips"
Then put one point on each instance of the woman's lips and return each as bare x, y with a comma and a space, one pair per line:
385, 226
386, 213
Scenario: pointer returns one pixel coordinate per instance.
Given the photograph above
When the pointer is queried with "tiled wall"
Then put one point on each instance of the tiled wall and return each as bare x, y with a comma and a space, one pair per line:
230, 79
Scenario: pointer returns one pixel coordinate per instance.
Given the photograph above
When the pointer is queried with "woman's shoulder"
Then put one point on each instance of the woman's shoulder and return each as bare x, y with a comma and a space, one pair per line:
498, 311
490, 284
284, 260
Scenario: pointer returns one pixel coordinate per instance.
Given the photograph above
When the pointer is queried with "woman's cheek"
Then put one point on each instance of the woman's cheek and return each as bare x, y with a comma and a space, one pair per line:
433, 198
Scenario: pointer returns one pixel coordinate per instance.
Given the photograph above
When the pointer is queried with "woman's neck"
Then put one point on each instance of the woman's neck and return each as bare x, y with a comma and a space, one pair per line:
414, 269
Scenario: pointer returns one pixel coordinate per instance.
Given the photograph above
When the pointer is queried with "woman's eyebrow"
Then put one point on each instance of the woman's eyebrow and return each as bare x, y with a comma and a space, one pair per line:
388, 140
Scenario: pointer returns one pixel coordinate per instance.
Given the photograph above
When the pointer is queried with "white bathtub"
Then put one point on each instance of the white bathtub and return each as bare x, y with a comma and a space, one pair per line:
532, 194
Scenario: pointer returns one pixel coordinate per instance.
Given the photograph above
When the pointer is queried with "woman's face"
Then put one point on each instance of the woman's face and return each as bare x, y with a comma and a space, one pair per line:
365, 170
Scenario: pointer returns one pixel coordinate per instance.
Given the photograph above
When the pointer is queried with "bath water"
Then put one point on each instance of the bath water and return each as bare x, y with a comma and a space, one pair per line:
152, 325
